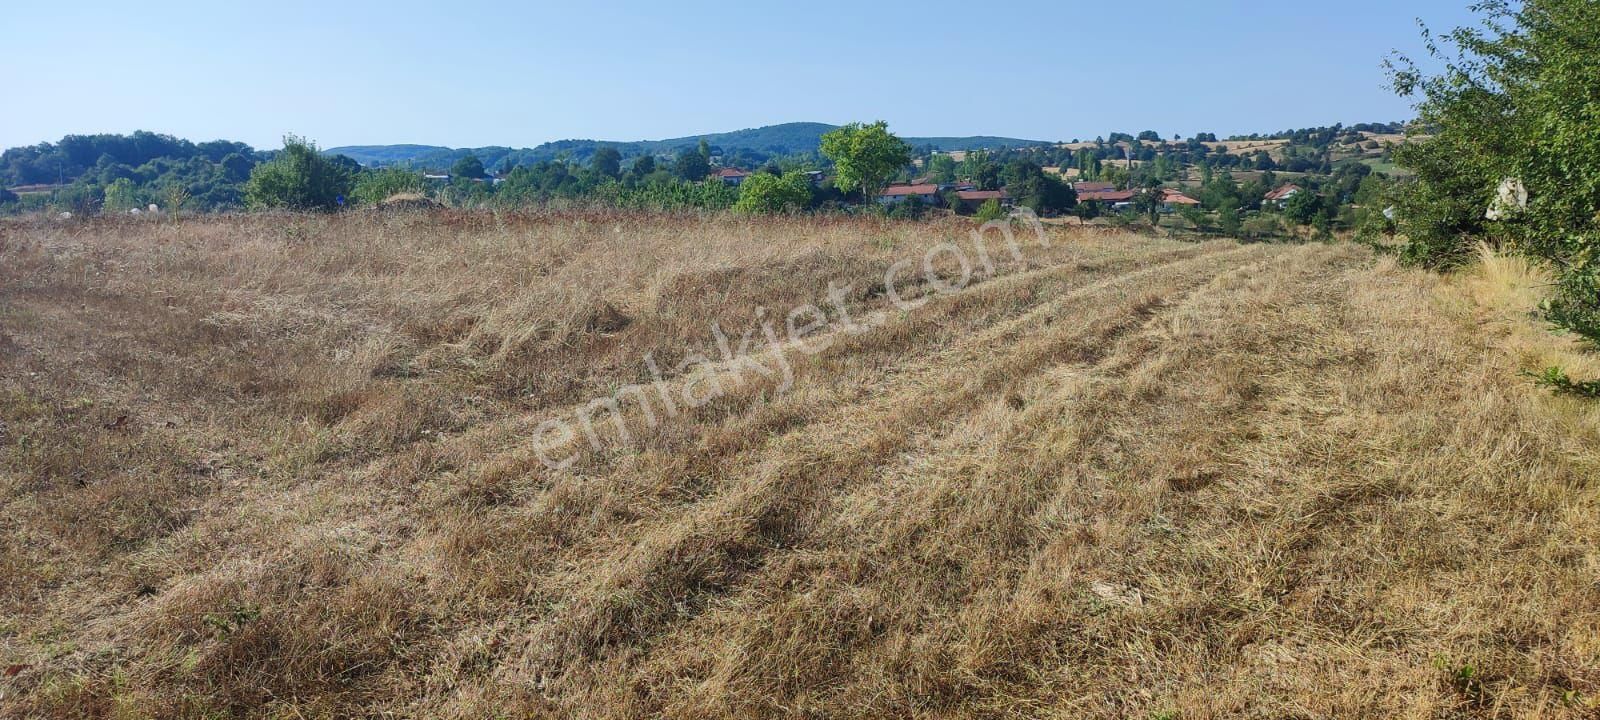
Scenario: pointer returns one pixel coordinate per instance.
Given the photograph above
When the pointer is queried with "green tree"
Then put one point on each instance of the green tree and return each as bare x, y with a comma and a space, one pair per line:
979, 168
1148, 202
469, 167
692, 166
768, 193
865, 157
1228, 217
942, 169
298, 178
1044, 193
1512, 152
1302, 207
644, 165
607, 162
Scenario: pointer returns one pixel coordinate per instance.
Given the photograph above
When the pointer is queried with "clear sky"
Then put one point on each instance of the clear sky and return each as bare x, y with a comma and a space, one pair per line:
470, 73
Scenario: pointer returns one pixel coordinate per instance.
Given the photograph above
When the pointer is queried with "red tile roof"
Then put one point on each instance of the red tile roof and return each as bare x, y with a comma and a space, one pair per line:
976, 195
1110, 196
904, 190
730, 172
1173, 197
1283, 192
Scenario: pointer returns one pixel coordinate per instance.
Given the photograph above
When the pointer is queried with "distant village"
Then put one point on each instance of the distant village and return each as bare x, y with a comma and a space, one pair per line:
968, 196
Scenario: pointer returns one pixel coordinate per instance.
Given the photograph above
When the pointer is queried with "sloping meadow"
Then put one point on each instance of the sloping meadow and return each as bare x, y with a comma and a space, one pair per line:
591, 464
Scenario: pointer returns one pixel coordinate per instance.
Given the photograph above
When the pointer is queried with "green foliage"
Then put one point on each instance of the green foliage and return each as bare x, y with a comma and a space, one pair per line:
865, 157
1517, 102
607, 162
121, 196
941, 169
989, 210
907, 209
298, 178
979, 168
1555, 379
76, 157
767, 193
373, 186
691, 165
1044, 193
1302, 207
1228, 217
1261, 227
1148, 203
469, 167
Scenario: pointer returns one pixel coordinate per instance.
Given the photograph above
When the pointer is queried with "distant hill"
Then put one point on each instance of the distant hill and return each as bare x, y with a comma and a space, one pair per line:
384, 154
785, 139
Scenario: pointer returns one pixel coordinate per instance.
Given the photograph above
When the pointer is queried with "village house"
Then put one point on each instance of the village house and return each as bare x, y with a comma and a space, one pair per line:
731, 177
971, 199
1104, 193
1172, 200
925, 192
1281, 196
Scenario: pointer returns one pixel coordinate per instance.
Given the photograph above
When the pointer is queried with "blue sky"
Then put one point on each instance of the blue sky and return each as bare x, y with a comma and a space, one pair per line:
469, 73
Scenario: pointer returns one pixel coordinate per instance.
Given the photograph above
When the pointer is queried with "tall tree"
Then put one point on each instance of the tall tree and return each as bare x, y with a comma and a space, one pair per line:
692, 166
865, 157
607, 162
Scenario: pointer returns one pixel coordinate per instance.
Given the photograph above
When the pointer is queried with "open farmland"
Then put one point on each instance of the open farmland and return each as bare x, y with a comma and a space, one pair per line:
336, 465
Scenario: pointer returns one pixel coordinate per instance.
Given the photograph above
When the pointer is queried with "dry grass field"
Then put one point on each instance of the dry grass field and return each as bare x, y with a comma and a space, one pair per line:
290, 467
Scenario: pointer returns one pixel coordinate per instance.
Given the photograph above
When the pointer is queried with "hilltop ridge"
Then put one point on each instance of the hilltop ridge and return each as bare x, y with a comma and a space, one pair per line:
781, 139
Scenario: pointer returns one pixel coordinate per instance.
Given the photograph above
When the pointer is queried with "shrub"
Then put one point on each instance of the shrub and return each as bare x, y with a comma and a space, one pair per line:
1512, 155
767, 193
298, 178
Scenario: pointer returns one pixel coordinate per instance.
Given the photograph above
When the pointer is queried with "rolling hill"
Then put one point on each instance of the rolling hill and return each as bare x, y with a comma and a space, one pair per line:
787, 138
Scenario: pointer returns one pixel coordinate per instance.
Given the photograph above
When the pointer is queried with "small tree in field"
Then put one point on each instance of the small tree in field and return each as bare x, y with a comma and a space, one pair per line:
298, 178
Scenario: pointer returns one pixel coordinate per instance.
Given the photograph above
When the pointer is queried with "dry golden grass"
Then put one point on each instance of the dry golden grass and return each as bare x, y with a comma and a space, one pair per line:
281, 466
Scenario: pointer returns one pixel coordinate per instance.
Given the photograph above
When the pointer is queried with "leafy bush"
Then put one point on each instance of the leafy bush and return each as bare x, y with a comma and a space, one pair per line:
767, 193
1513, 156
299, 178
